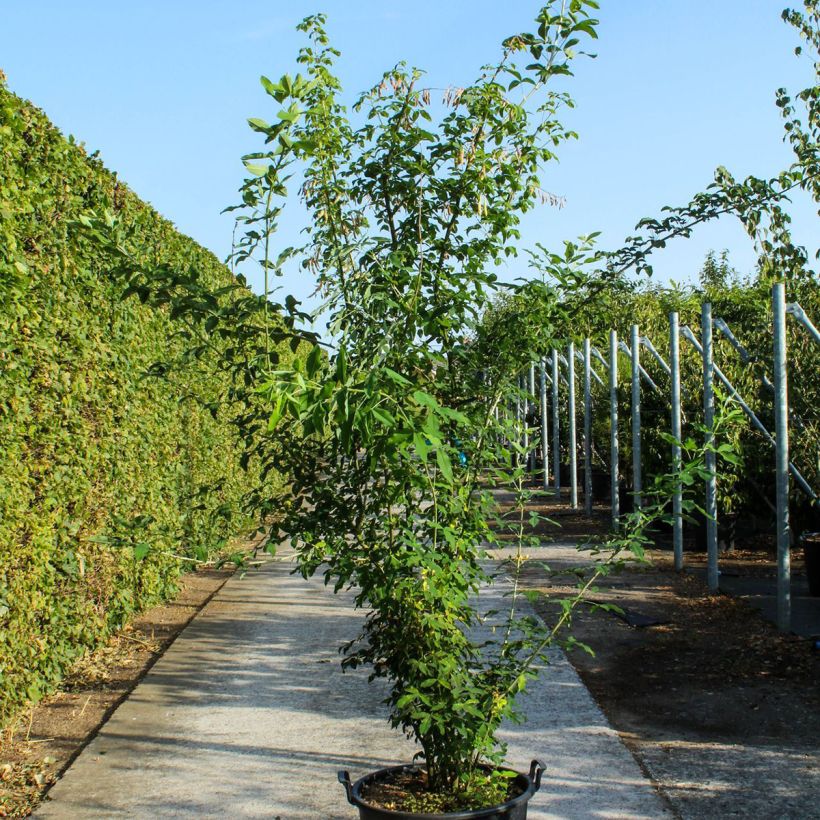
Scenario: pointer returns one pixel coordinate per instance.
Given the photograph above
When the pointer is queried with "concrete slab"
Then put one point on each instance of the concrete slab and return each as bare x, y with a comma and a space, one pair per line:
248, 715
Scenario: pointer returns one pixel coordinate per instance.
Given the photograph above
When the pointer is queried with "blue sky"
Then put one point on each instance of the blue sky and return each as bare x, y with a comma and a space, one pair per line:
163, 90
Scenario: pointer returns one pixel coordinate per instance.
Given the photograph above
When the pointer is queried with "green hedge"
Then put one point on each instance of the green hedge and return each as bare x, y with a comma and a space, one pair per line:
105, 474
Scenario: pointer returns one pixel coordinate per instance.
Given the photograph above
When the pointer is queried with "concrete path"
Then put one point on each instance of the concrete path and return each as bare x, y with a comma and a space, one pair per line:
248, 715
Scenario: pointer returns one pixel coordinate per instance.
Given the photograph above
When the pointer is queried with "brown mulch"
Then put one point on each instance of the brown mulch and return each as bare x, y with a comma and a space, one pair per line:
719, 708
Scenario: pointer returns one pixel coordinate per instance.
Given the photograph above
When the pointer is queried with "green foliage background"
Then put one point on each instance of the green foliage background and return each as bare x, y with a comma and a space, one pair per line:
745, 305
540, 318
92, 448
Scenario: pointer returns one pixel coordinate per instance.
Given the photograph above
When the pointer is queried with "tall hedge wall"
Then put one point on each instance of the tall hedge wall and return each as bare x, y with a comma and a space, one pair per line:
105, 475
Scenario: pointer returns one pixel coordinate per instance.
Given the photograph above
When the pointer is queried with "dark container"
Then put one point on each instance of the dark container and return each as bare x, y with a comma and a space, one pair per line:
727, 531
515, 809
626, 500
600, 484
564, 475
811, 554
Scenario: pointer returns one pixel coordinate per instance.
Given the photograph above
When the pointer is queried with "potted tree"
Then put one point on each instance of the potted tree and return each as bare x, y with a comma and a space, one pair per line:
410, 211
393, 437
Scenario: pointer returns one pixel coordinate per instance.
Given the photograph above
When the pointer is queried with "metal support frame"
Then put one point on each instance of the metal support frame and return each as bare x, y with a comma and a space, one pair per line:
732, 339
677, 497
573, 446
794, 309
635, 355
711, 460
623, 346
613, 428
780, 439
647, 343
545, 450
599, 356
797, 311
556, 424
756, 422
525, 406
593, 373
781, 423
587, 428
531, 399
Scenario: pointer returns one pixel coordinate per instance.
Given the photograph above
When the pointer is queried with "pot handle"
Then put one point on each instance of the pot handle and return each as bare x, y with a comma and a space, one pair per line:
536, 770
344, 779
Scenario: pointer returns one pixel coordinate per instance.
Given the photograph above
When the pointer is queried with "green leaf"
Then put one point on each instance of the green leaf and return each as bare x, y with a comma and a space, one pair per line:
341, 366
396, 377
453, 415
275, 90
276, 414
443, 461
425, 399
314, 361
421, 446
141, 550
384, 417
256, 169
258, 125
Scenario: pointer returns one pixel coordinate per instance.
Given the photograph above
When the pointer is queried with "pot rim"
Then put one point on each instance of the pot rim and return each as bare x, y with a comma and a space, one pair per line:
532, 780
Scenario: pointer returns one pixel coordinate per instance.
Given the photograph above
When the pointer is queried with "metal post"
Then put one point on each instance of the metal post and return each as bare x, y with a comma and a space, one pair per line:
797, 311
711, 460
545, 454
613, 426
573, 450
677, 497
531, 400
519, 419
756, 422
781, 432
647, 343
635, 354
556, 424
587, 429
522, 384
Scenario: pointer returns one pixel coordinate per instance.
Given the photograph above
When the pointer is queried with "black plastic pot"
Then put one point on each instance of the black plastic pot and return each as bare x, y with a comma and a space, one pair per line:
626, 500
600, 484
727, 528
811, 554
515, 809
563, 474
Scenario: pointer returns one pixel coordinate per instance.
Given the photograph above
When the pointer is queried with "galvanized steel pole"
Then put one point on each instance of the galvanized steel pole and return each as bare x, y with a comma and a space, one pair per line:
525, 406
531, 400
518, 395
635, 354
519, 417
613, 427
756, 422
545, 455
587, 429
781, 433
573, 448
677, 497
711, 459
797, 311
556, 424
